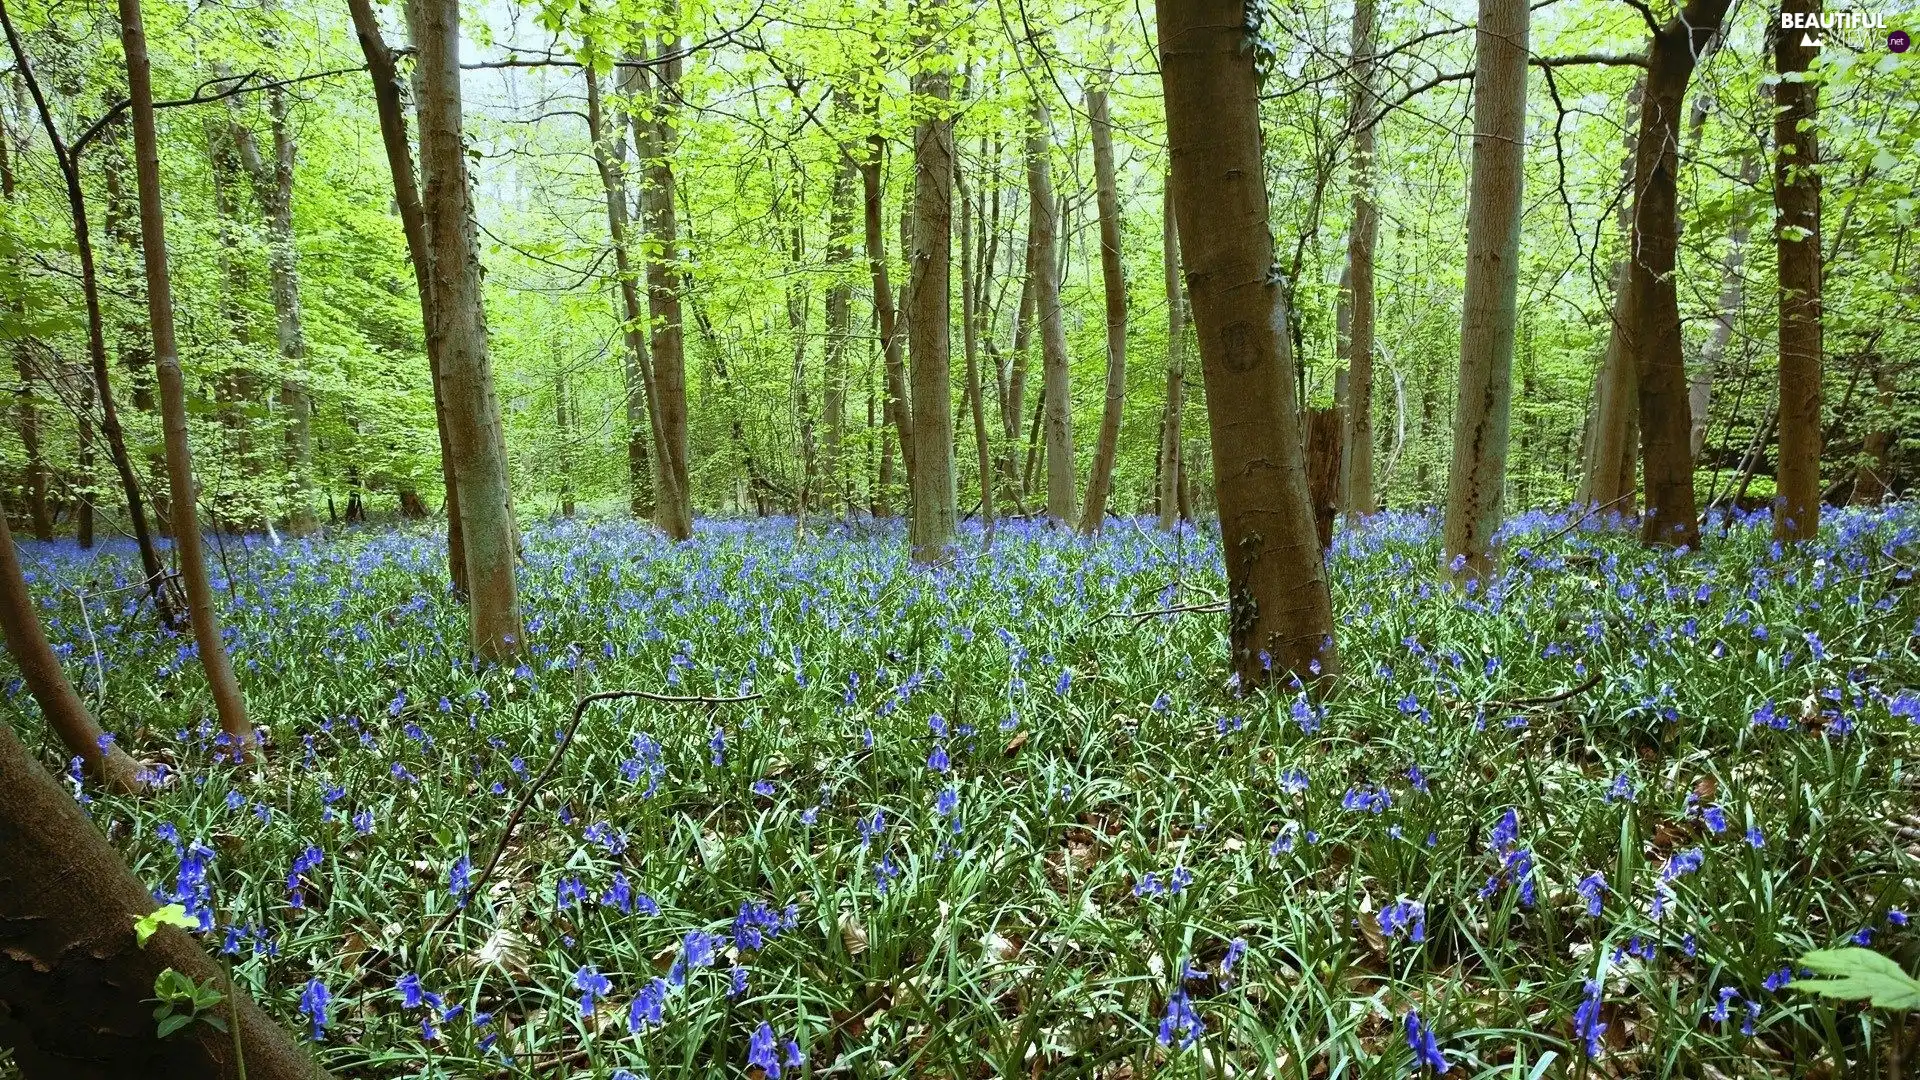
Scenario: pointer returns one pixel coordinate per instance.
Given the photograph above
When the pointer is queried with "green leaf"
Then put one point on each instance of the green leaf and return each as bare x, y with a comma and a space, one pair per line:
1859, 975
171, 915
173, 1023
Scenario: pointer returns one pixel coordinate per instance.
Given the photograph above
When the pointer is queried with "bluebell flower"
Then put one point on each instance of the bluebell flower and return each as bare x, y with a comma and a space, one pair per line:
314, 1000
1586, 1020
763, 1051
1718, 1013
1181, 1022
569, 893
592, 986
763, 788
459, 880
649, 1006
1407, 917
717, 743
937, 761
1426, 1048
1756, 838
1591, 889
1716, 819
736, 981
1236, 949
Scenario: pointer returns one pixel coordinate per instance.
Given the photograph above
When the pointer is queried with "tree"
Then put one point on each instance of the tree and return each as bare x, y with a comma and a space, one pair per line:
406, 200
1357, 441
1671, 517
466, 374
173, 392
1476, 481
1170, 464
1871, 479
1796, 201
839, 328
930, 482
1043, 244
1280, 616
1114, 278
970, 304
886, 315
1610, 470
75, 980
1727, 308
655, 136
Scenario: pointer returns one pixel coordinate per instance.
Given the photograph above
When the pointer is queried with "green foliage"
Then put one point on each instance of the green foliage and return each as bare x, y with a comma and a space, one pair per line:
1859, 975
182, 1002
165, 915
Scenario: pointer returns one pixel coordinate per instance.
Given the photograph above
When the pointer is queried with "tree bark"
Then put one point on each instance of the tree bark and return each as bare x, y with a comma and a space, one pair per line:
72, 978
1280, 618
1727, 308
40, 669
1672, 516
26, 409
1357, 438
1611, 469
1872, 478
1325, 429
1044, 267
930, 529
970, 303
898, 412
675, 499
466, 372
1796, 200
173, 393
1476, 480
1170, 465
406, 197
1114, 278
839, 332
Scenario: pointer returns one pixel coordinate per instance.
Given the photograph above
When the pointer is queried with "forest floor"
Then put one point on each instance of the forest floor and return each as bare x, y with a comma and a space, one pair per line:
997, 819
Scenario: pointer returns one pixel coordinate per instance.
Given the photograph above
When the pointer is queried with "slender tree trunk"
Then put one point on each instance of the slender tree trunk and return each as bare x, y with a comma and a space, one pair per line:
101, 382
75, 982
1280, 618
970, 302
930, 529
1169, 479
1357, 439
1796, 201
1672, 517
1610, 471
1013, 400
1043, 266
466, 372
66, 714
839, 333
642, 397
1871, 481
173, 392
26, 409
406, 197
798, 303
84, 492
887, 316
675, 500
1732, 284
1113, 276
1476, 481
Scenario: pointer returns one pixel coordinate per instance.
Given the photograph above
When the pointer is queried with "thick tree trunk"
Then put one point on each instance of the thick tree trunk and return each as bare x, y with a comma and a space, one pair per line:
173, 392
674, 500
1357, 439
839, 333
1476, 481
970, 303
26, 409
1610, 469
642, 397
1672, 516
1170, 444
1732, 285
1114, 278
1325, 429
406, 197
66, 714
1872, 479
466, 372
1044, 267
1796, 201
887, 316
1280, 619
930, 529
73, 981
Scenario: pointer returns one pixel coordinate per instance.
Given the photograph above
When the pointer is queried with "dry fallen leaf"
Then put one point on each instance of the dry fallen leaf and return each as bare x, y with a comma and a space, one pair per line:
852, 935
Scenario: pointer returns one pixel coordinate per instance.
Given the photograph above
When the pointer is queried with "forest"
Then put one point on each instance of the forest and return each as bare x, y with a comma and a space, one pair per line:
666, 538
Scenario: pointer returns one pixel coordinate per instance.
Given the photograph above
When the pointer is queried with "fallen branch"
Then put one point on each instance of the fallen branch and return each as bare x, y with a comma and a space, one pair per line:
1218, 605
1576, 522
539, 781
1593, 680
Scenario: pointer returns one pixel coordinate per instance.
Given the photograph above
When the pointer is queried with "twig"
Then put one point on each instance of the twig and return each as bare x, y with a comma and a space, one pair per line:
1218, 605
1593, 680
1575, 523
533, 788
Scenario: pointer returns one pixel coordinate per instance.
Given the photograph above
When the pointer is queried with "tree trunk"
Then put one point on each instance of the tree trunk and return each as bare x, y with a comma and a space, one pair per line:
66, 714
27, 411
1280, 619
1672, 516
1871, 481
1169, 478
970, 303
1610, 470
1796, 201
1476, 481
1732, 284
888, 317
930, 529
839, 333
1113, 276
675, 499
1044, 267
1325, 429
642, 397
73, 982
173, 392
1357, 439
406, 197
466, 372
